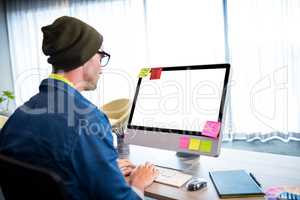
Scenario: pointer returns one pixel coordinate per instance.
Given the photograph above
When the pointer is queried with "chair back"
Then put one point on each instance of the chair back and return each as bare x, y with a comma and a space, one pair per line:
3, 119
19, 180
117, 111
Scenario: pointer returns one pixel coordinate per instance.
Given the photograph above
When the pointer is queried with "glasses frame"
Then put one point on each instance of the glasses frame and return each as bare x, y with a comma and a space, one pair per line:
103, 55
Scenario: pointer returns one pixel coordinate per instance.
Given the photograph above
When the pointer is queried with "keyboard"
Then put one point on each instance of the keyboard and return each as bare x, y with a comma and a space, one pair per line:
172, 177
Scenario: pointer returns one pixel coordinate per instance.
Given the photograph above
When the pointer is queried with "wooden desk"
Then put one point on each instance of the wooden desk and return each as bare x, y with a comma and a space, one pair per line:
269, 169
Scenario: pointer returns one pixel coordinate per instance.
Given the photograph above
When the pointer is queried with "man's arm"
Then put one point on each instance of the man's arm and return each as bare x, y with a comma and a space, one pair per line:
95, 166
127, 167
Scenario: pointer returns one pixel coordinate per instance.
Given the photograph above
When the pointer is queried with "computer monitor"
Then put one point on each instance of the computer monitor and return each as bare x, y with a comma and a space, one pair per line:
172, 105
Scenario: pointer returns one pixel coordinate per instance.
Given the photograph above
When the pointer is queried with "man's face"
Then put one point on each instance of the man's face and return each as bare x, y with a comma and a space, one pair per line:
91, 72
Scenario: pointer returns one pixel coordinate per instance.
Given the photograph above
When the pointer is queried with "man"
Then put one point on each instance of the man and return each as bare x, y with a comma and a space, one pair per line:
60, 130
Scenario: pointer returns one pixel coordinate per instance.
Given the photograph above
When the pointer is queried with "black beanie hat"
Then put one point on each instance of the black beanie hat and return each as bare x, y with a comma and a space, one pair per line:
69, 43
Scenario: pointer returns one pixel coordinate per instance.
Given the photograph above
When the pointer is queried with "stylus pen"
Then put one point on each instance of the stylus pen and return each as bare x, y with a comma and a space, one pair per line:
256, 181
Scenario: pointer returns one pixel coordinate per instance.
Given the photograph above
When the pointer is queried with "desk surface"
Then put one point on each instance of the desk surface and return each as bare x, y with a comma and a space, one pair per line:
269, 169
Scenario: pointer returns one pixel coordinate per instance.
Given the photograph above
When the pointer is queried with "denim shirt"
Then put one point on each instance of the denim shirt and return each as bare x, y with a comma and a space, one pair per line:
60, 130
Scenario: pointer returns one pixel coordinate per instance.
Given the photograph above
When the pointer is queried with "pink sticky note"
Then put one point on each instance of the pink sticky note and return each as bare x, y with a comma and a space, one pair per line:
273, 192
211, 129
184, 142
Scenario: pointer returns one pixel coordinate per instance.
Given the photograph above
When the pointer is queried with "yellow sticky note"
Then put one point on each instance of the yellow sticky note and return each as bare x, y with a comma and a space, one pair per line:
194, 144
206, 146
144, 72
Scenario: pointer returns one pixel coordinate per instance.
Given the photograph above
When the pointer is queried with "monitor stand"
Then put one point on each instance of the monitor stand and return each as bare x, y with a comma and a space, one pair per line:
188, 156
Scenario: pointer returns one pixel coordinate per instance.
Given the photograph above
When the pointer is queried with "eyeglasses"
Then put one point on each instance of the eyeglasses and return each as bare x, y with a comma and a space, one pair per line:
104, 58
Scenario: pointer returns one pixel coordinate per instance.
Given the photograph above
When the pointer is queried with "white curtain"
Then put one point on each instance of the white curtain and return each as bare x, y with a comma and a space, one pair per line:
120, 22
264, 46
263, 42
29, 65
133, 33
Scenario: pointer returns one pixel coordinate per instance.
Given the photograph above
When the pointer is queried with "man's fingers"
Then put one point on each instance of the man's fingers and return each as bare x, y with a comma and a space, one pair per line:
148, 164
127, 168
126, 171
156, 172
125, 163
126, 160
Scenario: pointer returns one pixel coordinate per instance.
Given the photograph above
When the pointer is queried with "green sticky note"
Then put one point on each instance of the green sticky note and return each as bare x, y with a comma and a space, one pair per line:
144, 72
206, 146
194, 144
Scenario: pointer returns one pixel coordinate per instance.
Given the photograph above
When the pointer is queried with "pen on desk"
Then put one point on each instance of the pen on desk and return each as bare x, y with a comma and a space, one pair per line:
256, 181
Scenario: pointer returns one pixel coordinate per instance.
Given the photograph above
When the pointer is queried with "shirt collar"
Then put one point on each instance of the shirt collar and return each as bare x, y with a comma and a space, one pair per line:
61, 78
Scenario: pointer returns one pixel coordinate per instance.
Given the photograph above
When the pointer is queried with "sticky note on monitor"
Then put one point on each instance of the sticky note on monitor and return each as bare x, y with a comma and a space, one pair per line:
194, 144
184, 142
206, 146
155, 73
144, 72
211, 129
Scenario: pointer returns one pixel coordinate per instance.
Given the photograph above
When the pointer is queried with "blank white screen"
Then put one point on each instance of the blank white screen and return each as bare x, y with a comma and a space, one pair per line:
181, 99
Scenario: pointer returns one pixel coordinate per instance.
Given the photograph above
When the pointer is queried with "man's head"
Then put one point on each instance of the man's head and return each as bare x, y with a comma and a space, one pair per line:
73, 49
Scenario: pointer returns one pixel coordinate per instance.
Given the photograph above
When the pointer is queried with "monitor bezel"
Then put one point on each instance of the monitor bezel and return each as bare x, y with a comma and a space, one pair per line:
179, 68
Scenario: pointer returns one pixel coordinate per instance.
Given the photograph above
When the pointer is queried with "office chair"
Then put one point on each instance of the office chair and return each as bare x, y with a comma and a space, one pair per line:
3, 119
117, 112
19, 181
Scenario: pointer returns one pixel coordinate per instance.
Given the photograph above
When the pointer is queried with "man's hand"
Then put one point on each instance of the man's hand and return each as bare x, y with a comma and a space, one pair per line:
143, 176
125, 166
